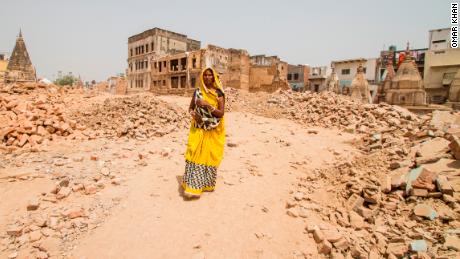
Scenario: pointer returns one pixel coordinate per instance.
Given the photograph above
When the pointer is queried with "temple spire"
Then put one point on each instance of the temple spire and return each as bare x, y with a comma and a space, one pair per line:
20, 68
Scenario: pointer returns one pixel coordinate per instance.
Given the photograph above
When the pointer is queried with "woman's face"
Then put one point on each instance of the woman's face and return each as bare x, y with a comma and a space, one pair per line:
208, 78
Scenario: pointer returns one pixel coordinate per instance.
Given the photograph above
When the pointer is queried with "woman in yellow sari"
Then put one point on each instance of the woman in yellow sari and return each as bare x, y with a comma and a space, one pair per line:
205, 147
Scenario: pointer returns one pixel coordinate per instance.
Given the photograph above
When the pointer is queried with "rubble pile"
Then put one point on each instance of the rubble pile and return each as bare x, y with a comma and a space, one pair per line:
29, 88
398, 200
28, 123
137, 117
325, 109
328, 109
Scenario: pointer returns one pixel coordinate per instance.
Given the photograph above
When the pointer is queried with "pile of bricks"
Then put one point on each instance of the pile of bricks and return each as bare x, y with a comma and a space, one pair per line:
28, 123
398, 200
137, 117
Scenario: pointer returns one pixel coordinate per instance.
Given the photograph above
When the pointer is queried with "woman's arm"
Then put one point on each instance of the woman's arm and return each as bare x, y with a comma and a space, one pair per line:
219, 112
192, 104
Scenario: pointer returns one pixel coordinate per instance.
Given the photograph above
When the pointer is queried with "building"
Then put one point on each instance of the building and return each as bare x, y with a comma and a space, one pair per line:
298, 76
347, 69
179, 73
407, 85
267, 73
20, 67
3, 67
166, 62
395, 58
318, 78
442, 63
117, 85
152, 45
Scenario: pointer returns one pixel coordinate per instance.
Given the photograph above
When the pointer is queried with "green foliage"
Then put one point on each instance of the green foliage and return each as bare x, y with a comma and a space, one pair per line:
65, 80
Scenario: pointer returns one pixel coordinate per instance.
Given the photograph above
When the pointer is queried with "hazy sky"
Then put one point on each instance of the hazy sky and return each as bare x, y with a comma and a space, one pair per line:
89, 37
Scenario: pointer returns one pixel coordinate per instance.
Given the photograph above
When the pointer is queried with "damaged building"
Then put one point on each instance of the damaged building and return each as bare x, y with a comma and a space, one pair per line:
166, 62
298, 76
152, 45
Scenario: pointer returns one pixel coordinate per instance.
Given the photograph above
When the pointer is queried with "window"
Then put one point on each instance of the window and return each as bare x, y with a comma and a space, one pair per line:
174, 65
164, 82
146, 64
194, 62
174, 82
296, 76
183, 81
154, 83
183, 63
131, 52
289, 76
192, 82
151, 46
364, 70
438, 41
346, 71
146, 47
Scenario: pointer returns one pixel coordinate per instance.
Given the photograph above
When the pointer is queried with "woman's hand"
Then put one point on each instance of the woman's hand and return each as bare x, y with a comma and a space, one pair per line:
196, 116
202, 103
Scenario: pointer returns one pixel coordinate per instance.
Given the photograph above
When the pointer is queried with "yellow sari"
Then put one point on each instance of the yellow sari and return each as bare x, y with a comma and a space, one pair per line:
205, 148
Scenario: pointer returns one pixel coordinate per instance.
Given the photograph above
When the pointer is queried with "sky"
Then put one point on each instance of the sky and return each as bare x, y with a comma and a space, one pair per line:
89, 37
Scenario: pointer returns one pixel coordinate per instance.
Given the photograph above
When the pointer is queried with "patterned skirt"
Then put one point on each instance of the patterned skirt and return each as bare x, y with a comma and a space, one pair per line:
198, 178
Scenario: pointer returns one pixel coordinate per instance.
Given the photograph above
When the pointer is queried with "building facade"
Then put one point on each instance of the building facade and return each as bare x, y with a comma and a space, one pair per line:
298, 76
152, 45
166, 62
347, 69
442, 63
267, 73
318, 78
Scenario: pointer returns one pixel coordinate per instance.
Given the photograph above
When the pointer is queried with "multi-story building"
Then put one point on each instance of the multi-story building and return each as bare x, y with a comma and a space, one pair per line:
318, 78
298, 77
152, 45
441, 65
179, 73
167, 62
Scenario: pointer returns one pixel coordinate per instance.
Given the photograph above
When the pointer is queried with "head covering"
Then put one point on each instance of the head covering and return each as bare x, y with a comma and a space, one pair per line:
209, 95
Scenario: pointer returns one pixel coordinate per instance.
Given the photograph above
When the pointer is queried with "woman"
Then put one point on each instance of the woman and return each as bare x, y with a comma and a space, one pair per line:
206, 139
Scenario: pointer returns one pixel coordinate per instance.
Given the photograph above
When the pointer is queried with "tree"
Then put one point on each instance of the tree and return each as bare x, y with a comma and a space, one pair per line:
68, 79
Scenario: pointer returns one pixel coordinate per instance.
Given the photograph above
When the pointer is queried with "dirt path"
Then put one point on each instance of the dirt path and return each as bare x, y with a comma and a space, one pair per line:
244, 218
144, 214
